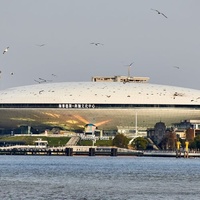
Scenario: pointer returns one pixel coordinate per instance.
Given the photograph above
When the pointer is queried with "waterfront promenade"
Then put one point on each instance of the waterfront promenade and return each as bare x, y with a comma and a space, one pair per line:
158, 153
87, 151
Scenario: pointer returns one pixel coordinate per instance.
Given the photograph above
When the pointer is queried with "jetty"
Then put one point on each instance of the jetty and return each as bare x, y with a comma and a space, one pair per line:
87, 151
68, 151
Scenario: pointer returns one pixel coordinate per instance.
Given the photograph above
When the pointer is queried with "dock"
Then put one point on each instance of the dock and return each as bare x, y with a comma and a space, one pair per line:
87, 151
68, 151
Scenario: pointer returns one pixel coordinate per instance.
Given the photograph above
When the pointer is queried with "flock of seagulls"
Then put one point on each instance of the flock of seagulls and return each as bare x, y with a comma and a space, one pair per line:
158, 12
41, 80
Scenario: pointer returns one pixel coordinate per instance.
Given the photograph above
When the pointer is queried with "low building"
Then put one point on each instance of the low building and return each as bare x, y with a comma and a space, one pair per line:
119, 79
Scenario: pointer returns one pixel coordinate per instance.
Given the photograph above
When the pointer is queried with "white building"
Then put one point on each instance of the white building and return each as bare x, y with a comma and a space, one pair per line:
107, 105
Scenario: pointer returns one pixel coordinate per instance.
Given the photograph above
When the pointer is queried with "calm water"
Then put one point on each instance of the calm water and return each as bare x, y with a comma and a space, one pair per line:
95, 178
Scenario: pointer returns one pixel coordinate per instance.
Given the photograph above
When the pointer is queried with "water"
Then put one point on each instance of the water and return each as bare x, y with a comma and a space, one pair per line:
98, 178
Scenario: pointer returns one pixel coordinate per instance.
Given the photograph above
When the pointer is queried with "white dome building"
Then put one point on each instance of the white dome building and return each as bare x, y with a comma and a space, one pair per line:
107, 105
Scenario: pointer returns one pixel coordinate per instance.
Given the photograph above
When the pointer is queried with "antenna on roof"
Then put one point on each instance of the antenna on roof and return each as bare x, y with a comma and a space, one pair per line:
129, 69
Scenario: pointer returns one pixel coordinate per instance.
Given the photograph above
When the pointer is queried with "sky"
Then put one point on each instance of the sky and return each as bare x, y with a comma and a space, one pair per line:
165, 49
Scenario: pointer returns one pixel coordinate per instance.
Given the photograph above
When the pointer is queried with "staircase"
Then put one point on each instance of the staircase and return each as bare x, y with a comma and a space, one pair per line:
151, 142
73, 141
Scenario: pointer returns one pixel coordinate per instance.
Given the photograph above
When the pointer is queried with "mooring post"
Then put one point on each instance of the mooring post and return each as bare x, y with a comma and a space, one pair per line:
91, 151
49, 152
113, 152
69, 151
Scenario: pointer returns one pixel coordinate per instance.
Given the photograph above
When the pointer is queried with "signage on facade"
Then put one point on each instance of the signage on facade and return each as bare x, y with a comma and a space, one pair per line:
69, 105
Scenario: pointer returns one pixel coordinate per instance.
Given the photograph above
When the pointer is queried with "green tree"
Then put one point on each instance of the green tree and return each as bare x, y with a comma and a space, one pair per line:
197, 140
120, 140
192, 145
195, 144
140, 143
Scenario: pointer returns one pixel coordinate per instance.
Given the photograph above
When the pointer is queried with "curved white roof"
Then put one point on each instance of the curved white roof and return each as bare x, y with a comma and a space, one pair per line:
101, 93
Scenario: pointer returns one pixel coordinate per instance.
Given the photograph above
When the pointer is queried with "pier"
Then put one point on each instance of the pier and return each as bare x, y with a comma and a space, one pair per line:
90, 151
68, 151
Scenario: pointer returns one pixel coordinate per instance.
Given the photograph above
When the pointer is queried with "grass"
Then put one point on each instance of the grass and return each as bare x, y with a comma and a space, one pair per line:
54, 141
98, 143
29, 140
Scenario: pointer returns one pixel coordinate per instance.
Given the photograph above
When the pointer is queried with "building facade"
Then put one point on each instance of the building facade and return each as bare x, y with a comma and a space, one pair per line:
132, 107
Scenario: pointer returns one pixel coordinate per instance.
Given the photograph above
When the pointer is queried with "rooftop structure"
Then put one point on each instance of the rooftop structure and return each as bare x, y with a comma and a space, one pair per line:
120, 79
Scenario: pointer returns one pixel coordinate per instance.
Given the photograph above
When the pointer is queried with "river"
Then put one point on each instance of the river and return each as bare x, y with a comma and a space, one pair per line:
98, 178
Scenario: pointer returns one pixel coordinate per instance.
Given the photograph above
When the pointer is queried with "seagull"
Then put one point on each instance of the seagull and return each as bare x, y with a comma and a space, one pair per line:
5, 50
44, 80
40, 92
37, 81
11, 73
176, 67
41, 80
40, 45
130, 64
96, 43
53, 75
159, 12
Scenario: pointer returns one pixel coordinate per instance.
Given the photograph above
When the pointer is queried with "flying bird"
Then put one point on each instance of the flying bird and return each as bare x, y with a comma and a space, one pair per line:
5, 50
96, 43
159, 12
40, 92
176, 67
37, 81
41, 80
130, 64
40, 45
44, 80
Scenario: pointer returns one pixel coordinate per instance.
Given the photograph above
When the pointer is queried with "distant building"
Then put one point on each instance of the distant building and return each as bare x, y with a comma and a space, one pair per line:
166, 137
183, 125
190, 134
162, 136
160, 130
188, 129
158, 133
181, 133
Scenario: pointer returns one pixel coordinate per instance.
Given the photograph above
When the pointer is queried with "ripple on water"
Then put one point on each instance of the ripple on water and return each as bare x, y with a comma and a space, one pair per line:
60, 177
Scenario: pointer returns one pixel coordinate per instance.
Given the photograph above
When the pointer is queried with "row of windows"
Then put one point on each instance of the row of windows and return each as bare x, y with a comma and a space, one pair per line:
92, 106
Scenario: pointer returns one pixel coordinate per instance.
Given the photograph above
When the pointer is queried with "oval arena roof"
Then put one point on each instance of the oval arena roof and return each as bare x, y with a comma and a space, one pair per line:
100, 92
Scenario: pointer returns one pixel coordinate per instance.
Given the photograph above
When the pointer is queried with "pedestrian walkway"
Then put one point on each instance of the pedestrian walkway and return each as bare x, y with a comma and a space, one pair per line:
73, 141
